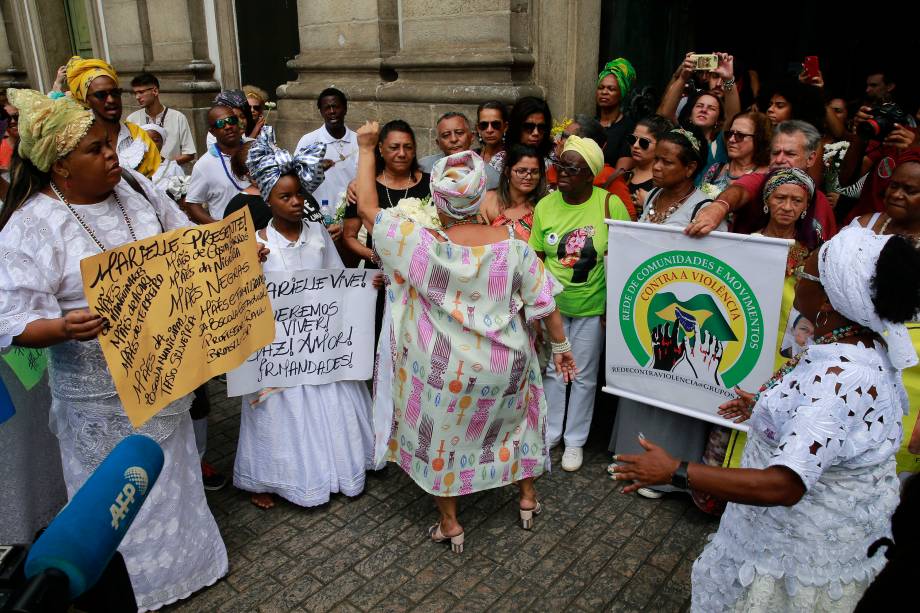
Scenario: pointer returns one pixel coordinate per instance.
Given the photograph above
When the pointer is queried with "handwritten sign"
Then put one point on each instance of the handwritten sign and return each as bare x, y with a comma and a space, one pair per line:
182, 307
27, 364
324, 331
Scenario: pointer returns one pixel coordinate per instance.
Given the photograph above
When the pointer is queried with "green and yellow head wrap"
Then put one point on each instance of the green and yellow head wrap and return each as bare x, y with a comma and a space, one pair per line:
48, 129
623, 70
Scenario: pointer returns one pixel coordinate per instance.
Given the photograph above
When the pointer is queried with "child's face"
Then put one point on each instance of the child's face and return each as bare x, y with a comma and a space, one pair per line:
285, 199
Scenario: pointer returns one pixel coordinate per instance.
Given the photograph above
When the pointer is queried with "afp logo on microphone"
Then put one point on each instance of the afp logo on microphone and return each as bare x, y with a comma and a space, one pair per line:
137, 483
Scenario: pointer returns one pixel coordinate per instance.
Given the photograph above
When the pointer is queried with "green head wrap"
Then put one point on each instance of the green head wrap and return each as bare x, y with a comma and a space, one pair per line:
623, 70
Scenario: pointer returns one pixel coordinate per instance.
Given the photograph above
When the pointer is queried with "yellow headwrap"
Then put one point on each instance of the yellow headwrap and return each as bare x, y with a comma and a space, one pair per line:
81, 72
588, 150
48, 129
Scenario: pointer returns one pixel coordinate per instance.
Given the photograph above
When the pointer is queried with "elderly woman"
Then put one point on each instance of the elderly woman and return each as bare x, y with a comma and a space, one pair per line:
675, 201
570, 234
817, 484
67, 201
748, 148
467, 396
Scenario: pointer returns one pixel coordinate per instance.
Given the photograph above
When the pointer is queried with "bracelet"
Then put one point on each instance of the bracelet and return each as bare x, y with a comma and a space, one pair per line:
563, 347
728, 207
728, 84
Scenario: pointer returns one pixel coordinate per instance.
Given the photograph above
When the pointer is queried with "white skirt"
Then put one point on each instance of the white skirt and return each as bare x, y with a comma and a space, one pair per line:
173, 548
305, 443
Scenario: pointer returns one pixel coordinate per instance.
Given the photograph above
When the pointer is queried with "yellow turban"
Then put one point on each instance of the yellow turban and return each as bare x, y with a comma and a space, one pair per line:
81, 72
48, 129
589, 151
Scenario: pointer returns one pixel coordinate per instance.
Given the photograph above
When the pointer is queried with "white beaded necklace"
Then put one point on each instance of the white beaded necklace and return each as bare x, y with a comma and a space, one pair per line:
83, 223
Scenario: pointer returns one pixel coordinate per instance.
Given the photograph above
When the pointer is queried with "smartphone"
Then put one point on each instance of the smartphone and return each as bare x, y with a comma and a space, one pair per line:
810, 65
705, 61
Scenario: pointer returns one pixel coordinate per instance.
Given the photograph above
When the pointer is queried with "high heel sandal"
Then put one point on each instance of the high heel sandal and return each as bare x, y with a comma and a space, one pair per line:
527, 516
456, 542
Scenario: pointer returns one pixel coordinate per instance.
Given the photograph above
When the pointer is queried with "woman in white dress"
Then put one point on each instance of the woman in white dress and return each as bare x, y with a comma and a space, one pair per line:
817, 484
307, 442
68, 201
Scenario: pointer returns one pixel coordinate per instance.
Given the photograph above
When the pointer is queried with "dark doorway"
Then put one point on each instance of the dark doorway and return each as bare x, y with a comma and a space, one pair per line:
771, 39
267, 38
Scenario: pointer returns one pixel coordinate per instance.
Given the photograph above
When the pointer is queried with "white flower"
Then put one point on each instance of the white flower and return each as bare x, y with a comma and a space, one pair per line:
710, 190
420, 211
834, 153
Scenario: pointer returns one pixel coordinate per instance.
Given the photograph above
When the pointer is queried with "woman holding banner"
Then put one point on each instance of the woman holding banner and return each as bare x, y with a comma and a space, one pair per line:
67, 201
674, 201
817, 484
463, 385
305, 442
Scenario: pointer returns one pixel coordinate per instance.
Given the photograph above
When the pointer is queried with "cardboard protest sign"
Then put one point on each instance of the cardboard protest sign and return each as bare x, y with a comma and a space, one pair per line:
688, 318
181, 307
324, 331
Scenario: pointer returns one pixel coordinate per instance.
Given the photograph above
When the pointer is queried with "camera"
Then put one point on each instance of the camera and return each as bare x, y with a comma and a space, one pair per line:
884, 116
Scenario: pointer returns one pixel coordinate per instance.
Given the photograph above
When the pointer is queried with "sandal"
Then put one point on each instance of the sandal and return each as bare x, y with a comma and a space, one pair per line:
527, 516
456, 542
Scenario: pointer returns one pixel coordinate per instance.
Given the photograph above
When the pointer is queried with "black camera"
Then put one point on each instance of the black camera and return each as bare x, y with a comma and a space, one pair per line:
884, 116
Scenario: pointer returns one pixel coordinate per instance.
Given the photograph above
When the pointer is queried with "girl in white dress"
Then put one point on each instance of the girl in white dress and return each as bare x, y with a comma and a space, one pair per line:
67, 201
307, 442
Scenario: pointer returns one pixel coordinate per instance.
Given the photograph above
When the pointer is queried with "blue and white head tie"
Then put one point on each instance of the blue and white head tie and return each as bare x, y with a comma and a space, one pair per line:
267, 163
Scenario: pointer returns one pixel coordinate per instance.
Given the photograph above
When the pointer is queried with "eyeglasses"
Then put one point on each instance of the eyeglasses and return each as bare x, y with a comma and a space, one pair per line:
523, 173
103, 94
644, 143
495, 124
569, 170
530, 127
223, 122
736, 135
799, 273
138, 92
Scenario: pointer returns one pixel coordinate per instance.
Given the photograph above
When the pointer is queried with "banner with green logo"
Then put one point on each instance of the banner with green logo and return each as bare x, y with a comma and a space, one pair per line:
688, 319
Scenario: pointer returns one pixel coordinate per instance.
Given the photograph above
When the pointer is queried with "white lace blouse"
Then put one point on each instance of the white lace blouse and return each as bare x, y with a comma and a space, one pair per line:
838, 431
42, 245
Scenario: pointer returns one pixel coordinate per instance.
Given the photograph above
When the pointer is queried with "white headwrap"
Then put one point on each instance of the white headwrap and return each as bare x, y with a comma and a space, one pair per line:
152, 127
846, 266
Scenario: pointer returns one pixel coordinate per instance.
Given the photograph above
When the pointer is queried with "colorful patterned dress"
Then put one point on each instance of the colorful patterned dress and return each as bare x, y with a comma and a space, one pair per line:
468, 406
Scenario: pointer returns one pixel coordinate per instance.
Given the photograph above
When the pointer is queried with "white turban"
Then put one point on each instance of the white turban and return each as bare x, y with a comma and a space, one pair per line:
846, 266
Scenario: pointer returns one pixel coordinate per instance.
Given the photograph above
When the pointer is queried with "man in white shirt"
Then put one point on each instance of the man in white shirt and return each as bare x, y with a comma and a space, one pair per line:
179, 145
341, 146
213, 183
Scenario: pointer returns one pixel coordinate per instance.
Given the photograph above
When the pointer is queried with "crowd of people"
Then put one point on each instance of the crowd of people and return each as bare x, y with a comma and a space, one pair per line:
490, 318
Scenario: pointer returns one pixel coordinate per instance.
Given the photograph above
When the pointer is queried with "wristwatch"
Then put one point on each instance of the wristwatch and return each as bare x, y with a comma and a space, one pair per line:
680, 479
728, 84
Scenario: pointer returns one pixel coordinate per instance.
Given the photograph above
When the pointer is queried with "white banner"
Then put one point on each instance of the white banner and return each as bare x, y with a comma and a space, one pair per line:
688, 319
324, 331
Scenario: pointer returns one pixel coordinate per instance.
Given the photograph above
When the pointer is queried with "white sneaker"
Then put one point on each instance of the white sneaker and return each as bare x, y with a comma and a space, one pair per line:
647, 492
571, 459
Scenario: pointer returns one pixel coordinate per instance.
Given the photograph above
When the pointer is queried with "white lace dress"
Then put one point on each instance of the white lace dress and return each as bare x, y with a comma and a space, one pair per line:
838, 432
174, 547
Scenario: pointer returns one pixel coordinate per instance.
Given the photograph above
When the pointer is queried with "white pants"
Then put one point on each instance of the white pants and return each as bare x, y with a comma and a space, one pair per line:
586, 336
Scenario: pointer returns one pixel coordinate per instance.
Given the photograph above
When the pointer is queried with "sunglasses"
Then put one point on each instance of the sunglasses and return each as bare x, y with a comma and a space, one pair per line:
799, 273
644, 143
495, 124
255, 109
529, 127
103, 95
223, 122
736, 135
14, 118
569, 170
523, 173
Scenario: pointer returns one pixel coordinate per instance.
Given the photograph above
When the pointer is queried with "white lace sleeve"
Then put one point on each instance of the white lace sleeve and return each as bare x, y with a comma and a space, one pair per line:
27, 283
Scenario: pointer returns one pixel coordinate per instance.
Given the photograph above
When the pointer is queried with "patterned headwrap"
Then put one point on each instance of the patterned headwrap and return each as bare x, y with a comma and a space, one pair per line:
458, 183
81, 72
267, 163
846, 266
233, 98
694, 141
48, 129
590, 152
623, 70
788, 176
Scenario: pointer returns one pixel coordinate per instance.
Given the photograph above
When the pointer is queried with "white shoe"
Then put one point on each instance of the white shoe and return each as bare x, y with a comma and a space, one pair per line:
571, 459
647, 492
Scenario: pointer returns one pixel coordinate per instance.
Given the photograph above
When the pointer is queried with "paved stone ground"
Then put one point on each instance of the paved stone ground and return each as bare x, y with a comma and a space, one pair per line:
592, 549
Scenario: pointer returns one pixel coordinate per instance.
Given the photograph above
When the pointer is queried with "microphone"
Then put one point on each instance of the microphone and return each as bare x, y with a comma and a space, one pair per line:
83, 537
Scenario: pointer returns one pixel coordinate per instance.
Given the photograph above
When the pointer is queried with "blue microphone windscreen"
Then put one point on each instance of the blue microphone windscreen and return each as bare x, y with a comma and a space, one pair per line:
86, 533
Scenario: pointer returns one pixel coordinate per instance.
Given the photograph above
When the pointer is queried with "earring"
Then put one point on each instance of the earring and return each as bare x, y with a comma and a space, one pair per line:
766, 209
805, 212
818, 323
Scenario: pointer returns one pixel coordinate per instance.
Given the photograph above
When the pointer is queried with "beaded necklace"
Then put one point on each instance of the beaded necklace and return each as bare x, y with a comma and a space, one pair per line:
655, 217
83, 223
460, 222
839, 334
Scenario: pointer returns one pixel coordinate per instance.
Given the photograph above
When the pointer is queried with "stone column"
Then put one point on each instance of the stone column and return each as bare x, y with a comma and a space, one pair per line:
12, 68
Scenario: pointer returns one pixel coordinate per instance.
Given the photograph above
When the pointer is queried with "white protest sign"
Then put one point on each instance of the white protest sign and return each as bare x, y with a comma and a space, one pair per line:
688, 318
324, 331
